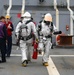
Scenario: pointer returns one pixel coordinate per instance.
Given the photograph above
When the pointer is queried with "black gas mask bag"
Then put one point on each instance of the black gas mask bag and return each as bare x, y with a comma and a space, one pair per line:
47, 22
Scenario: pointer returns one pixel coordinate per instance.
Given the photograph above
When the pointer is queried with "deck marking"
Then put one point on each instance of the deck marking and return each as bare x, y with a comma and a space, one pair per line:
50, 55
61, 55
52, 70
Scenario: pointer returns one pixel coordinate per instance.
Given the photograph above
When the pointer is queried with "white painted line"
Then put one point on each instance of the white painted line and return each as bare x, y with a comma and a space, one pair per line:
62, 55
49, 70
21, 55
52, 70
16, 55
50, 55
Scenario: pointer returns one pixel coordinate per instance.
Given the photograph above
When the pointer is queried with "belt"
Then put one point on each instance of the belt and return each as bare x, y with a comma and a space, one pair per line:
25, 38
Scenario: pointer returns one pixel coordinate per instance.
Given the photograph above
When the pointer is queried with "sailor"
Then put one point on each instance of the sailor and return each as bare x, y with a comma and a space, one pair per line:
24, 32
45, 30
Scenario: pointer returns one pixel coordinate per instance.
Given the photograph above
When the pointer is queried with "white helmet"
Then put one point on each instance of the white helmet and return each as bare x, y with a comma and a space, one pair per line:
48, 14
48, 17
26, 14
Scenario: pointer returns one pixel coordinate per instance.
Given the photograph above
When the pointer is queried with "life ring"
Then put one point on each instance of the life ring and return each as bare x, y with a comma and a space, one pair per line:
58, 38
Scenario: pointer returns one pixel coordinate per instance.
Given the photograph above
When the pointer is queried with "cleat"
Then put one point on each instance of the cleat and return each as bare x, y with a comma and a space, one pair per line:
45, 64
24, 63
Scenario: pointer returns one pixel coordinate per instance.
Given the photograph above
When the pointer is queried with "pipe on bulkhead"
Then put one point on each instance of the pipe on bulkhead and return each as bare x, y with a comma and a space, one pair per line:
23, 7
57, 14
9, 8
71, 17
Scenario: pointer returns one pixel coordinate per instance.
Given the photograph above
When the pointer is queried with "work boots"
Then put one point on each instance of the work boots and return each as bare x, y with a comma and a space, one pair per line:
24, 63
45, 64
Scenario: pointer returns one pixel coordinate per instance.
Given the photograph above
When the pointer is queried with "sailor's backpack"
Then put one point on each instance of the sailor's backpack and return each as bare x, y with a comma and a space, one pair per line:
24, 31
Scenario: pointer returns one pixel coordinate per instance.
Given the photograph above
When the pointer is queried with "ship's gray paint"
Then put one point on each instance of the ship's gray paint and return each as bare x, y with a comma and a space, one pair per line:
37, 10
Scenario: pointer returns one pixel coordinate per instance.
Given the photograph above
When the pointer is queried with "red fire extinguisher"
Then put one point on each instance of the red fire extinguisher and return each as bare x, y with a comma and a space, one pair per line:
67, 27
35, 52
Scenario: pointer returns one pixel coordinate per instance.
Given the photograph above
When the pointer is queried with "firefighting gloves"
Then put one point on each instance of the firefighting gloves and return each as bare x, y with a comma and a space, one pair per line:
37, 40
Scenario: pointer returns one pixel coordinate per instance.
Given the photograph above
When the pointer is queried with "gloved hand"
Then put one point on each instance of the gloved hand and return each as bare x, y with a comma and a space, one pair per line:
37, 40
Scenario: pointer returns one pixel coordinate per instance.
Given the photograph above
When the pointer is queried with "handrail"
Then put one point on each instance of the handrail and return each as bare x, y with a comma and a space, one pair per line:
23, 7
71, 17
9, 8
57, 14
